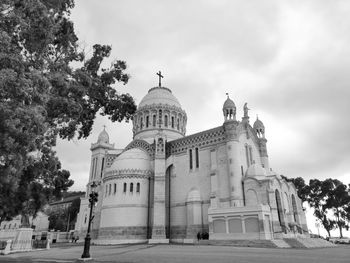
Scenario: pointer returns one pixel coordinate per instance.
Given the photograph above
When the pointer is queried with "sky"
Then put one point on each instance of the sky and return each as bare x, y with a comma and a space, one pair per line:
289, 60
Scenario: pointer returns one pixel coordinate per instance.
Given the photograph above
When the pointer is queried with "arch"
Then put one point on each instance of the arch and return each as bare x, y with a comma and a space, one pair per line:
124, 188
131, 187
219, 226
168, 174
251, 225
235, 225
138, 188
251, 197
279, 207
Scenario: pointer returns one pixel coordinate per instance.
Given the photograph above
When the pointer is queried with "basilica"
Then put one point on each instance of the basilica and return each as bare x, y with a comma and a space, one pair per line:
166, 186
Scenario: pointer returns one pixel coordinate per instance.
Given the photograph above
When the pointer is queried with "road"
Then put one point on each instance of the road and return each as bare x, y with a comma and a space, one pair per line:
183, 254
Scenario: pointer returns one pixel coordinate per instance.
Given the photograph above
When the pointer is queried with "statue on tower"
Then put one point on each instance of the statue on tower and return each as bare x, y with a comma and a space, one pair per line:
245, 110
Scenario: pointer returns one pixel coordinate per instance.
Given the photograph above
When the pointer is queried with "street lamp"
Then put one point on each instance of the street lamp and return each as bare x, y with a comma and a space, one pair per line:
92, 200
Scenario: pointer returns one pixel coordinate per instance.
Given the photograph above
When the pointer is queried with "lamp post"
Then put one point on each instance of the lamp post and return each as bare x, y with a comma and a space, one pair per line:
92, 200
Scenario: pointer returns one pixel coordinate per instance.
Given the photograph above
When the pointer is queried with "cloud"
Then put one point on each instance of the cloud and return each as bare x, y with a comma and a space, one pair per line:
288, 59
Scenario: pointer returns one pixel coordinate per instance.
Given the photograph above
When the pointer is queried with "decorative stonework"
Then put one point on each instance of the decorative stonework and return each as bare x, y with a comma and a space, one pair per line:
203, 139
110, 159
127, 173
149, 148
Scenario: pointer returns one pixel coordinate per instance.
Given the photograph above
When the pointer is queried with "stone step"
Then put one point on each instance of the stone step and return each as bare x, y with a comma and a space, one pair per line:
280, 243
239, 243
309, 242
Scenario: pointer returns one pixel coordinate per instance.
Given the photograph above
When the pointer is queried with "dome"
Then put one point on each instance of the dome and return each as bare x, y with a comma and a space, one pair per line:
159, 95
133, 159
103, 137
258, 124
194, 195
229, 104
255, 170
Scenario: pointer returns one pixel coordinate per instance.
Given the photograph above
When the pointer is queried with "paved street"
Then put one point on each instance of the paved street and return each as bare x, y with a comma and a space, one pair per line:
183, 254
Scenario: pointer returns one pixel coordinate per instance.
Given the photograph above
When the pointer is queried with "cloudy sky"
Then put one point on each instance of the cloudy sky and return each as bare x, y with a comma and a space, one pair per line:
289, 60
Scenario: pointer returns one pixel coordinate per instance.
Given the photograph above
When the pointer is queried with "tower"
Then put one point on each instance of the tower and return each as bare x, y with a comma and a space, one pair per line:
231, 126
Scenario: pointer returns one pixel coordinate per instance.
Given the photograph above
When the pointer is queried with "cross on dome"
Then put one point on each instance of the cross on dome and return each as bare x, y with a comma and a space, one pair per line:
160, 76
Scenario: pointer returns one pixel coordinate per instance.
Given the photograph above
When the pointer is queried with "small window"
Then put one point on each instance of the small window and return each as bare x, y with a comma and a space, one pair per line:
138, 188
85, 219
178, 124
110, 189
131, 187
166, 120
172, 121
147, 121
197, 158
154, 120
124, 188
115, 188
141, 124
190, 153
102, 166
9, 226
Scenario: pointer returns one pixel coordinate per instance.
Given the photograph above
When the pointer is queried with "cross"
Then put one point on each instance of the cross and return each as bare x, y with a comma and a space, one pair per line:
227, 95
104, 127
160, 78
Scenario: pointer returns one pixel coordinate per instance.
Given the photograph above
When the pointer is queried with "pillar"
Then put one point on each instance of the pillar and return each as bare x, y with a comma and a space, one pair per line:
232, 148
159, 210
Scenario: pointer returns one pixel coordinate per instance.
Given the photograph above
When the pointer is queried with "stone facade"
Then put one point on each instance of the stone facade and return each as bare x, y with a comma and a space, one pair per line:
166, 186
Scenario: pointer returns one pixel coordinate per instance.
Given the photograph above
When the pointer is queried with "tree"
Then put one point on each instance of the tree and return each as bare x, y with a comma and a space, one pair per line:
302, 188
338, 200
317, 199
42, 97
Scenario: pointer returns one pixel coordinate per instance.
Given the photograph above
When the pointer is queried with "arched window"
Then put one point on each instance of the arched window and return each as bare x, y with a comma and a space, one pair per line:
124, 188
178, 124
160, 116
147, 121
247, 155
141, 124
190, 153
172, 121
251, 154
131, 187
110, 189
279, 208
166, 120
85, 219
295, 209
115, 188
154, 120
138, 188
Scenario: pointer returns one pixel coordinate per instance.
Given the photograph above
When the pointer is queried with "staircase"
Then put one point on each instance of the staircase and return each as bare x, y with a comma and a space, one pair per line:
308, 242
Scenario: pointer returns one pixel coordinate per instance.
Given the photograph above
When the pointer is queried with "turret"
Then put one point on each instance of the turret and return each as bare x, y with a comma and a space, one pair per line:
229, 109
259, 129
98, 154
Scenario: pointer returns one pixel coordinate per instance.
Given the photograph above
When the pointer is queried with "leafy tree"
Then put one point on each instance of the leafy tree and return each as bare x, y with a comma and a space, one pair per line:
317, 199
42, 96
302, 188
338, 199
